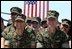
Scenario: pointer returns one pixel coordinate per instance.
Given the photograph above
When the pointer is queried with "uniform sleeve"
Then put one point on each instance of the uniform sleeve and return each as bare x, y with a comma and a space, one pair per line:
64, 41
4, 33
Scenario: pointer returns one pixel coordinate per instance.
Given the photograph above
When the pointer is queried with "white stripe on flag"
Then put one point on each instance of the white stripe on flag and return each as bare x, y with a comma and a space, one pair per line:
30, 7
41, 14
46, 9
38, 8
26, 10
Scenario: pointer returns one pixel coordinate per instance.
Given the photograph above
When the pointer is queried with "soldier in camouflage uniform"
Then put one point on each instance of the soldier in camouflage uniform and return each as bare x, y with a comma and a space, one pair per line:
65, 27
44, 23
52, 37
19, 36
14, 13
35, 27
28, 21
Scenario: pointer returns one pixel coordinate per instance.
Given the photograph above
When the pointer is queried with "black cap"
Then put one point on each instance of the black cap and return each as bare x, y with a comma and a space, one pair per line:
16, 10
66, 21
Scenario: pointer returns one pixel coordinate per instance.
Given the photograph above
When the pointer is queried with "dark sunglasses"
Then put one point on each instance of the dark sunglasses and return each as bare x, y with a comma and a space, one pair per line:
64, 25
34, 22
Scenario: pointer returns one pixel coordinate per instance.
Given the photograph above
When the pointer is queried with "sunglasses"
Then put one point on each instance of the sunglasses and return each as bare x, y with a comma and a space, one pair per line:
34, 22
64, 25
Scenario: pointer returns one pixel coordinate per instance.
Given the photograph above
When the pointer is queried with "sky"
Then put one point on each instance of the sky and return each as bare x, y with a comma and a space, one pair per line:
63, 7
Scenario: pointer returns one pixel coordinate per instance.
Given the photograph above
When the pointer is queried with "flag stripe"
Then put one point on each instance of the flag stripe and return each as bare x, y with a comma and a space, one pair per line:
28, 10
24, 7
43, 8
37, 8
34, 7
41, 14
32, 11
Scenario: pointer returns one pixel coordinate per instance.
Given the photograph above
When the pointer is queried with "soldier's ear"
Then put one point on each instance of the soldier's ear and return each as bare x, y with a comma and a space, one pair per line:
14, 24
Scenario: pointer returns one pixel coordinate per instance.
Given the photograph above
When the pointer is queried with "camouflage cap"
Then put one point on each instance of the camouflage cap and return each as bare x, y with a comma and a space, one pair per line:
66, 21
35, 19
19, 18
16, 10
28, 19
53, 14
39, 19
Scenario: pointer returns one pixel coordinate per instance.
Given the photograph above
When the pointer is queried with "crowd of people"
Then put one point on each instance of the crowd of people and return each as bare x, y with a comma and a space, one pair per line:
32, 32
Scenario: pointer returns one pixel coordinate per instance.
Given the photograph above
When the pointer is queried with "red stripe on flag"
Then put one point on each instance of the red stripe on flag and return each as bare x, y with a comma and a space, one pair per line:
43, 8
32, 11
28, 10
36, 10
24, 8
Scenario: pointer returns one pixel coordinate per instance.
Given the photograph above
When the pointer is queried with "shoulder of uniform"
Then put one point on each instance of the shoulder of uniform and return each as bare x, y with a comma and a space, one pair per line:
62, 34
7, 29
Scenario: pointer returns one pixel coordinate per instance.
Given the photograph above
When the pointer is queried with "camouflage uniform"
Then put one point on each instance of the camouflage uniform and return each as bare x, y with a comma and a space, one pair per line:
26, 40
11, 29
37, 31
16, 41
53, 40
67, 24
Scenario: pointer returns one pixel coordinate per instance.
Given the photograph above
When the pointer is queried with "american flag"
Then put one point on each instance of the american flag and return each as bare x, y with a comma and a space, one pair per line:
36, 8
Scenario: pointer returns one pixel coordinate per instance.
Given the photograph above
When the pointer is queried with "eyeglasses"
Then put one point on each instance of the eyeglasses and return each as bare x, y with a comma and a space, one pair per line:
34, 22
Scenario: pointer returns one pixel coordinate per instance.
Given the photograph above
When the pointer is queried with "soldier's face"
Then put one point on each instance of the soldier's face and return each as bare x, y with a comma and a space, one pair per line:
64, 28
19, 24
29, 22
44, 25
52, 22
13, 16
34, 24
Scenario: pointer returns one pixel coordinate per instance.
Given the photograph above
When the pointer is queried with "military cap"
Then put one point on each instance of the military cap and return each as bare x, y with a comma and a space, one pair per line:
35, 19
39, 19
16, 10
19, 18
23, 16
28, 19
66, 21
53, 14
44, 21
